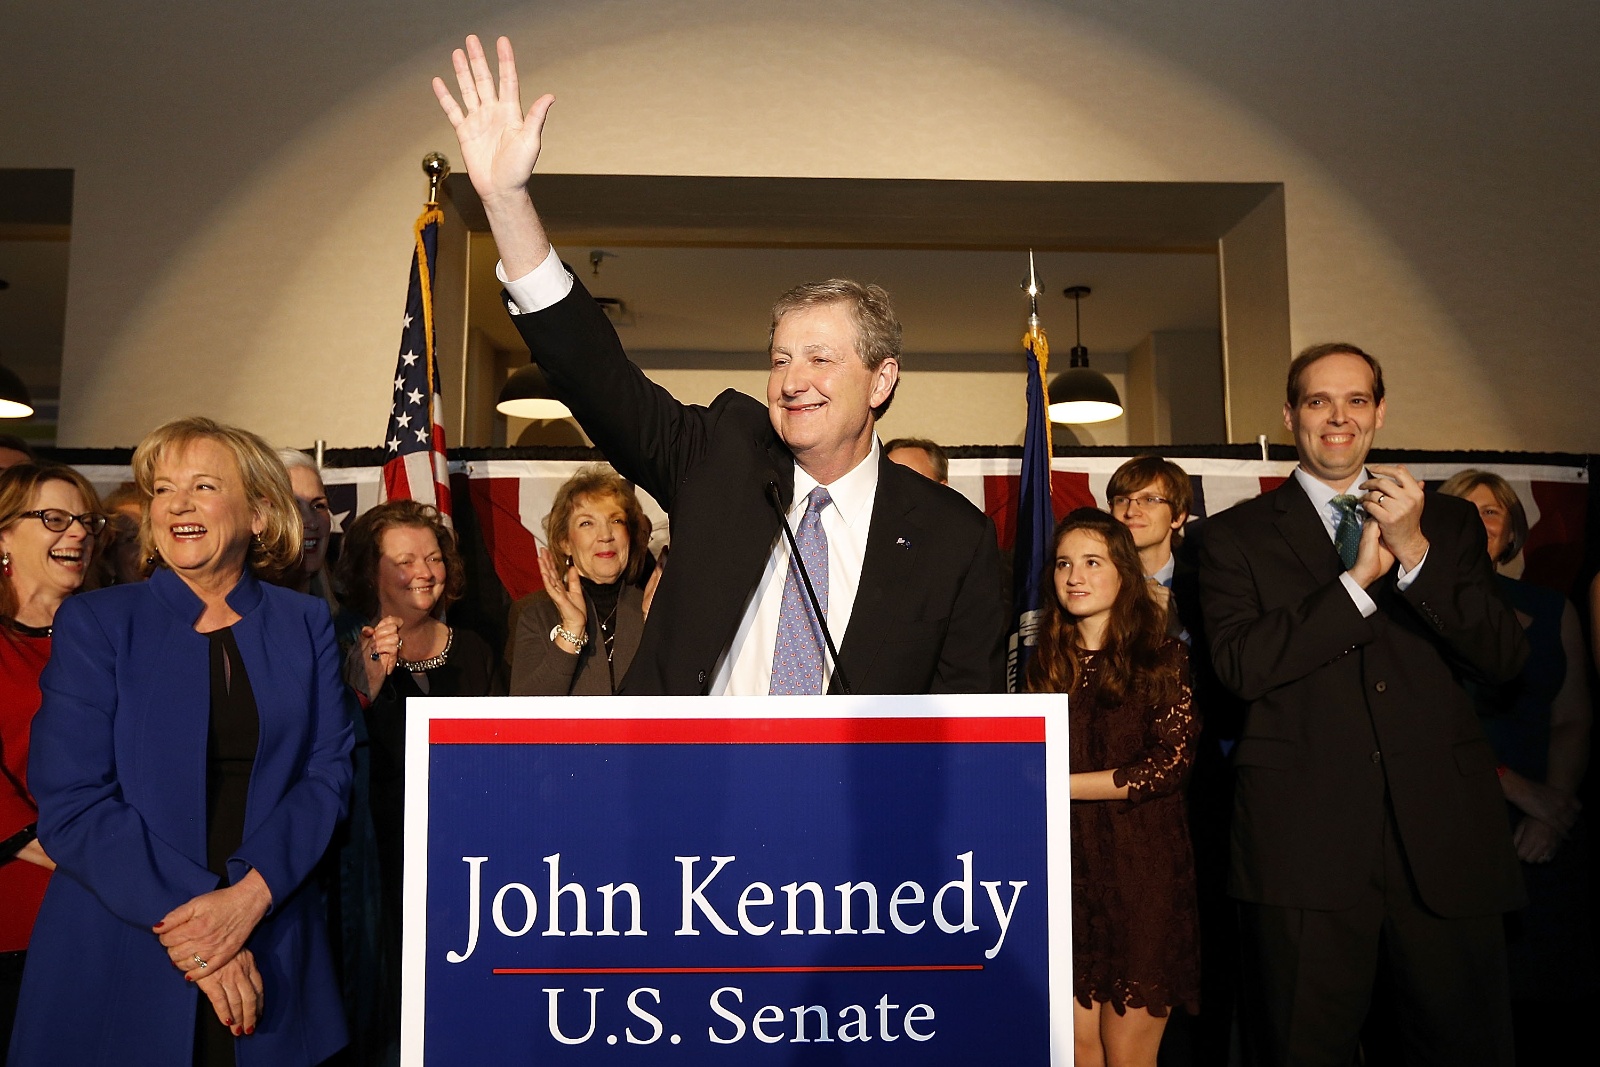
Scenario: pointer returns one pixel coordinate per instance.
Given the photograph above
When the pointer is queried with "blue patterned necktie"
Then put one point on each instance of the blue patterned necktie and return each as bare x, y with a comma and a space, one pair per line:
797, 656
1347, 538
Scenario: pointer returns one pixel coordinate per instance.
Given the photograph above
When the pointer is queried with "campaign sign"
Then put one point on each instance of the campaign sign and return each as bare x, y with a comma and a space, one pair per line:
797, 880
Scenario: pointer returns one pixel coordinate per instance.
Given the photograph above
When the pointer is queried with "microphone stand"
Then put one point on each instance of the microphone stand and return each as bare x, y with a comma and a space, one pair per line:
816, 605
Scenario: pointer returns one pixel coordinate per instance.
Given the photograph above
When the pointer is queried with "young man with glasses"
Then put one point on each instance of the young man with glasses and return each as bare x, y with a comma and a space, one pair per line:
1151, 496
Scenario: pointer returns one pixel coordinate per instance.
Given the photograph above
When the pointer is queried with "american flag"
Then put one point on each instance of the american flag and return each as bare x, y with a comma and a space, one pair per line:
415, 468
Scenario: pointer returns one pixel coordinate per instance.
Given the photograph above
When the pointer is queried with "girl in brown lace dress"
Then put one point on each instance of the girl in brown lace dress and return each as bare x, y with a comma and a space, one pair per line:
1135, 943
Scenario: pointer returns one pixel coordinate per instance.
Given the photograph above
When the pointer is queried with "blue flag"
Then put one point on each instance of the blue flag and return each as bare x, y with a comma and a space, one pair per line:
1035, 517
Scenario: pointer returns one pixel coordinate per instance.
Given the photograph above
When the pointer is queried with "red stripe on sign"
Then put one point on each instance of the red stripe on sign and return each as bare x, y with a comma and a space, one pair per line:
737, 970
734, 731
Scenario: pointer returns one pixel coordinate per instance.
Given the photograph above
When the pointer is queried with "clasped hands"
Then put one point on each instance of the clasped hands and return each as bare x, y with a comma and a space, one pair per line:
1392, 499
205, 939
1548, 816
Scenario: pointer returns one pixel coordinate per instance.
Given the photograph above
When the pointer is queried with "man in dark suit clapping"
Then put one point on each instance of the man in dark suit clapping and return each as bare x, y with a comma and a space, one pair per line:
1369, 829
906, 570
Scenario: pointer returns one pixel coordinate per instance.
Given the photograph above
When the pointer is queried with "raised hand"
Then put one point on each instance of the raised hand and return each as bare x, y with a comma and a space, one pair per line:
499, 144
1394, 499
566, 593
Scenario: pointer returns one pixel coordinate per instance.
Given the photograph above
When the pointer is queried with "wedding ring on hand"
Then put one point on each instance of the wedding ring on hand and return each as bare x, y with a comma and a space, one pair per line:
375, 656
201, 962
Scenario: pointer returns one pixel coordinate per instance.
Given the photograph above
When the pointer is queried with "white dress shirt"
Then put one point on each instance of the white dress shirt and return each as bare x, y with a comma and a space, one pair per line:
745, 668
544, 286
1322, 495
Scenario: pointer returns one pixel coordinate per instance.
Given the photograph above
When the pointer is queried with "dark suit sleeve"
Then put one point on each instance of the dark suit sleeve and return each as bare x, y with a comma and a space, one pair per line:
648, 436
973, 658
1455, 596
1255, 649
85, 824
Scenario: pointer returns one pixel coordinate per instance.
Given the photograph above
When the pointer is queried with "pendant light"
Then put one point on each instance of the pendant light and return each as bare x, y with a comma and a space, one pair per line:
527, 395
15, 403
1080, 395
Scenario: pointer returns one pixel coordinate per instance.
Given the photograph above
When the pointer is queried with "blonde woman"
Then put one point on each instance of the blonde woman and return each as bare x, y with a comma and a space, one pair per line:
191, 759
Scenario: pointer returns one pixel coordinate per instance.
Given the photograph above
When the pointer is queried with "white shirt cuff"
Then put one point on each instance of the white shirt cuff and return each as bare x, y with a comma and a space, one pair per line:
1363, 602
544, 286
1404, 578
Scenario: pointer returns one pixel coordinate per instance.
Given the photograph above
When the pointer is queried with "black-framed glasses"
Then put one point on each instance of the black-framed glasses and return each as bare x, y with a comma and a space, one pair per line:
57, 521
1146, 502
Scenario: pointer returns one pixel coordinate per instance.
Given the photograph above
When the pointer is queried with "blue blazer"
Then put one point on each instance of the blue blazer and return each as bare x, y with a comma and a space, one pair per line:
118, 766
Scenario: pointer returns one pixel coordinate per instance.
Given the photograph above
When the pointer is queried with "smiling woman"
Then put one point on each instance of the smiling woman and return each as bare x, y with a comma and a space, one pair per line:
49, 526
1132, 730
167, 705
400, 570
577, 636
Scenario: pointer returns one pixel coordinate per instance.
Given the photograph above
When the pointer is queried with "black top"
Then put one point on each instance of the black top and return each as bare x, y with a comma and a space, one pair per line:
470, 670
230, 757
230, 750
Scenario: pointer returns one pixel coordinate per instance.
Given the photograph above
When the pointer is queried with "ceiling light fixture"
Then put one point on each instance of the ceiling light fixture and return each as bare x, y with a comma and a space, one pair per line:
527, 395
1080, 395
15, 403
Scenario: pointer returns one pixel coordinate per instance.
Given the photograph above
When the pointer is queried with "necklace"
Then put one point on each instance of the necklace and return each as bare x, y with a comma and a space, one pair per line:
416, 666
30, 631
608, 633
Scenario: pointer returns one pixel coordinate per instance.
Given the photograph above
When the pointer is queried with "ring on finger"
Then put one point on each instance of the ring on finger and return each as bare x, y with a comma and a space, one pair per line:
203, 964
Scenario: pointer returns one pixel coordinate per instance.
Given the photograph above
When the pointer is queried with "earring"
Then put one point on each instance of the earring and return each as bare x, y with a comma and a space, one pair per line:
5, 564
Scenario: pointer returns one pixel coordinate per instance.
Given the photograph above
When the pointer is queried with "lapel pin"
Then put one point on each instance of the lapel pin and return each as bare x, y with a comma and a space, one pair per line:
901, 542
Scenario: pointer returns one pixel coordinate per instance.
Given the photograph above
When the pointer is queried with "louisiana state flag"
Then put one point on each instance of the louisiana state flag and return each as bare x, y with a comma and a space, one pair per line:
1035, 518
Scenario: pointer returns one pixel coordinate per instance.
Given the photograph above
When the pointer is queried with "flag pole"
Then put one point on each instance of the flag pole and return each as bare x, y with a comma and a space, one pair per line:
1036, 343
437, 168
1035, 519
416, 467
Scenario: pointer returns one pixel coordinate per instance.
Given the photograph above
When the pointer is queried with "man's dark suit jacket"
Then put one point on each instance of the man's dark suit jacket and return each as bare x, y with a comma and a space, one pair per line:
929, 614
1343, 708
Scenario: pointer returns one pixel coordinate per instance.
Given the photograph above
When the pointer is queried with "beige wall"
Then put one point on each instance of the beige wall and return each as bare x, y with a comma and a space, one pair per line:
246, 177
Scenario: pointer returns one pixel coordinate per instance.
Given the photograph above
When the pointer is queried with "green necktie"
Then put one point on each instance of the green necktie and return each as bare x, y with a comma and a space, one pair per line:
1347, 538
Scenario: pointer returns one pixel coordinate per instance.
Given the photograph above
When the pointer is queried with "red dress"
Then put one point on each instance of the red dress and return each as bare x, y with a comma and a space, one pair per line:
1135, 926
22, 884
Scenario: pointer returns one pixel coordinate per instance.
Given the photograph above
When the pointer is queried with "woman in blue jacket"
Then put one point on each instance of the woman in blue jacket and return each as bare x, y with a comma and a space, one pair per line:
190, 759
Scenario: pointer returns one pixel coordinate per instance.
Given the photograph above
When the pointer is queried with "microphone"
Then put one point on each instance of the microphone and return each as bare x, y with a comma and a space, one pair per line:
816, 605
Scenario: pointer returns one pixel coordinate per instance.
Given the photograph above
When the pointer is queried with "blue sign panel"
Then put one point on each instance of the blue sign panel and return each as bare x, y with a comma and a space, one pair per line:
621, 882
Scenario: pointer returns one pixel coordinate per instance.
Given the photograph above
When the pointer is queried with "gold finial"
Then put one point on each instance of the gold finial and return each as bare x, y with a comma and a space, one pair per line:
1033, 293
437, 168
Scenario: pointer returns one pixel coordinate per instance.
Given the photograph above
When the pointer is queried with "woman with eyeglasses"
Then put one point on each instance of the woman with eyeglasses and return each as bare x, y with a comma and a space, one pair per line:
50, 524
